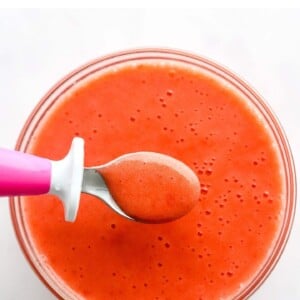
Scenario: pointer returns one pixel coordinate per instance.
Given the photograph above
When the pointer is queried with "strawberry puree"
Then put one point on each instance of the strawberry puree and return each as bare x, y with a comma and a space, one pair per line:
210, 253
152, 187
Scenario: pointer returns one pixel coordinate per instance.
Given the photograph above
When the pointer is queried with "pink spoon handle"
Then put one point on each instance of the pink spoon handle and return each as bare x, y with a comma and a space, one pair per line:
23, 174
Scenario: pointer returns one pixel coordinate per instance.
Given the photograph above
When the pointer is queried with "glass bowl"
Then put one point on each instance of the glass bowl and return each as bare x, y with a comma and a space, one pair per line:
163, 55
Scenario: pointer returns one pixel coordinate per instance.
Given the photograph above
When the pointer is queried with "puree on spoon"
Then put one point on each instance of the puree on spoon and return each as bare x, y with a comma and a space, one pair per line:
151, 187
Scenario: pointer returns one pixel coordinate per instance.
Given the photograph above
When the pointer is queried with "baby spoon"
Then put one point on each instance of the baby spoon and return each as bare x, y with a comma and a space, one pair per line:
26, 174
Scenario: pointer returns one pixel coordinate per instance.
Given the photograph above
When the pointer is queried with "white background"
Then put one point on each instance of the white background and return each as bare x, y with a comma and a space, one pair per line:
38, 47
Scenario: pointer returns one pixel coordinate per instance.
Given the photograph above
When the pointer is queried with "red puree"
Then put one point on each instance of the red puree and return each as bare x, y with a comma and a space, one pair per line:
207, 254
152, 187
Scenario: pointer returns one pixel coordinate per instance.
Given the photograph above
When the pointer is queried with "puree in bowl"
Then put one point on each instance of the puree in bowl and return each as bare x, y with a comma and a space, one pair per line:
212, 252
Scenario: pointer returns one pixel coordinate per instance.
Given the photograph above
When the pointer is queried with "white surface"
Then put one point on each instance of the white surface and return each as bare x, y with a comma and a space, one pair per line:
38, 47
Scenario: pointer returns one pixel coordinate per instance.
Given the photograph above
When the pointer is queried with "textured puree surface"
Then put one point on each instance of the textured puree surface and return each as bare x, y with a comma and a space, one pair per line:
209, 253
152, 187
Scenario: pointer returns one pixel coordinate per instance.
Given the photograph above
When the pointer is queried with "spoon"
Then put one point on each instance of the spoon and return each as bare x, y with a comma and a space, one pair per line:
26, 174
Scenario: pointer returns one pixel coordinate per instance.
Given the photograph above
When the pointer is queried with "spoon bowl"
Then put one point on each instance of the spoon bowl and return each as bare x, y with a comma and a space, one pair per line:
93, 184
